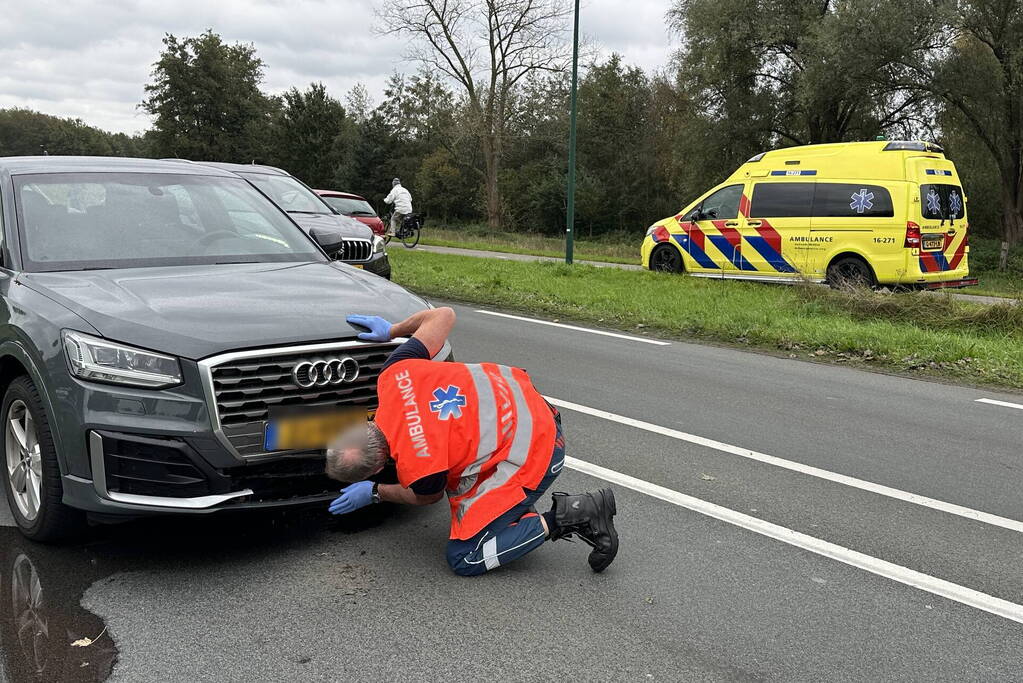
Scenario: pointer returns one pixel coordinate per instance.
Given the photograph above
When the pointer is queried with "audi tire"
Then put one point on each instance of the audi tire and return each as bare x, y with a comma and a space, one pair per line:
32, 480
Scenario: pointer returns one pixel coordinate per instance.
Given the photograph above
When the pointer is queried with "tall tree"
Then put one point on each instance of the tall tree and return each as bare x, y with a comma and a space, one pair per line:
486, 47
978, 75
806, 70
313, 137
206, 101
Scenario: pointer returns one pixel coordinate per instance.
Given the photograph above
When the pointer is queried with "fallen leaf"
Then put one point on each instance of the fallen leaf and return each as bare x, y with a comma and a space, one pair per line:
707, 477
86, 642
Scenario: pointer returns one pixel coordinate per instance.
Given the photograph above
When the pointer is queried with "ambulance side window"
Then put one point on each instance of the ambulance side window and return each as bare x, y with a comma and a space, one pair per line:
782, 200
846, 200
722, 205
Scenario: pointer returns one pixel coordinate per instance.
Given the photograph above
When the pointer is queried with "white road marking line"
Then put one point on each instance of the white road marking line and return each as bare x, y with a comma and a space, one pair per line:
655, 342
1004, 404
880, 489
874, 565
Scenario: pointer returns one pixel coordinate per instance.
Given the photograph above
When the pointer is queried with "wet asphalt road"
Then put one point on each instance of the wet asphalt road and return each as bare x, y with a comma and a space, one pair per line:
300, 596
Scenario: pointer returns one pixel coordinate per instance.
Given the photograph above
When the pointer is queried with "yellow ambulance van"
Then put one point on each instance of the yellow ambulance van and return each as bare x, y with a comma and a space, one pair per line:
860, 213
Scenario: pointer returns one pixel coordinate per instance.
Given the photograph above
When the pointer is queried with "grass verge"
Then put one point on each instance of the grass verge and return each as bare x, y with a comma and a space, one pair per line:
624, 248
613, 249
905, 333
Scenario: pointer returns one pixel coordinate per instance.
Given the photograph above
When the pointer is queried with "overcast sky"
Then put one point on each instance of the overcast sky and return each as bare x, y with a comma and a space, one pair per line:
90, 58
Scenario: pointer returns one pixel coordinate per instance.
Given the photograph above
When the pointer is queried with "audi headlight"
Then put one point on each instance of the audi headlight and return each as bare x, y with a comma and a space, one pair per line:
378, 244
99, 360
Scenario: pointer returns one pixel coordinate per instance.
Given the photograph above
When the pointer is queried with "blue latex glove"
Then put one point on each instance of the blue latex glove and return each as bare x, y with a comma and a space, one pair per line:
379, 329
353, 498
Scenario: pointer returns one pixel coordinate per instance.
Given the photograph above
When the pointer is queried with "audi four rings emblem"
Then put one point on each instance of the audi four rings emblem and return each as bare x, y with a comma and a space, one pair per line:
325, 373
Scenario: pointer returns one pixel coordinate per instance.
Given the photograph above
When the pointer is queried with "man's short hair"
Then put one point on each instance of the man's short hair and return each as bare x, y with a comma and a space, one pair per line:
358, 454
396, 181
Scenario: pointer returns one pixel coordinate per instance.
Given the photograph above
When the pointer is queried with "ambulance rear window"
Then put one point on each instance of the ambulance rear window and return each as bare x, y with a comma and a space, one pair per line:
939, 202
845, 200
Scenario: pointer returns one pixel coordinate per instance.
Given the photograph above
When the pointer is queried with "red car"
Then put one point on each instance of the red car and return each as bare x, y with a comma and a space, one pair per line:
354, 206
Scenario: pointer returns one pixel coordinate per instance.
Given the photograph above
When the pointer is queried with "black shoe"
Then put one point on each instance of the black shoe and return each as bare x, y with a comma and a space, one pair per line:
590, 516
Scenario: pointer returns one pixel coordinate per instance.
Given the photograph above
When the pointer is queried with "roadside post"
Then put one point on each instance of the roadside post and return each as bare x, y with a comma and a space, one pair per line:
570, 228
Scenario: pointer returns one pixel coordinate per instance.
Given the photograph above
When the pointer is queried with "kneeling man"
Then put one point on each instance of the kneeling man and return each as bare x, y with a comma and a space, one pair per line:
483, 435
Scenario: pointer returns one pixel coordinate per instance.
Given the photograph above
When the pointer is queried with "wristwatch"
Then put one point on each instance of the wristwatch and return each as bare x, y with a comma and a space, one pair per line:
376, 493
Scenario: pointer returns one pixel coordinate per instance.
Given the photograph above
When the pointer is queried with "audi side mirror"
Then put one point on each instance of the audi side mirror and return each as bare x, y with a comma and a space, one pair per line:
329, 240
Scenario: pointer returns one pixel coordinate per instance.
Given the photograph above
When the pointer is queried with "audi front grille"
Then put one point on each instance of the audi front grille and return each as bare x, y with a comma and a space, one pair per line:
243, 387
356, 251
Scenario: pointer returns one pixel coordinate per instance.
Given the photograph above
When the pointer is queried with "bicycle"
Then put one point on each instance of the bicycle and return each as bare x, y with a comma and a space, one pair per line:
408, 232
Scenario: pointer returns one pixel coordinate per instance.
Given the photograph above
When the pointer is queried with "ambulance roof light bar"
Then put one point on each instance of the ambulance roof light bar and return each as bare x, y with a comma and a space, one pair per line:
913, 146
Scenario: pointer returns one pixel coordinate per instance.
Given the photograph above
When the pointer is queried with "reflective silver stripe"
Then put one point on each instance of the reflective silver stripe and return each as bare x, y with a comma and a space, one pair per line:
519, 451
490, 554
487, 432
488, 418
465, 485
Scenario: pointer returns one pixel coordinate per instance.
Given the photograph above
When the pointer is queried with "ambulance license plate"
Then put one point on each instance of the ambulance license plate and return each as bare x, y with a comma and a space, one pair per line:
309, 430
933, 242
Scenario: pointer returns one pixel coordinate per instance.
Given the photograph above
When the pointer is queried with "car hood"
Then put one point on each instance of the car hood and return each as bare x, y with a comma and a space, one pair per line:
199, 311
348, 227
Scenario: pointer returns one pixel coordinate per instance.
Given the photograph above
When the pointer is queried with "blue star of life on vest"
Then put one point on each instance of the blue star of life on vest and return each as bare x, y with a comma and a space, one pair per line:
862, 201
449, 403
933, 202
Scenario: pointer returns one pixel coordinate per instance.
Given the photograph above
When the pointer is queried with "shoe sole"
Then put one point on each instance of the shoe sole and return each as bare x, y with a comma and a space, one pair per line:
608, 498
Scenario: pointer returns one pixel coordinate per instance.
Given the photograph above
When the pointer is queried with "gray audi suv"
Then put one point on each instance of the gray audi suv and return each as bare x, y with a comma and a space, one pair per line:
158, 321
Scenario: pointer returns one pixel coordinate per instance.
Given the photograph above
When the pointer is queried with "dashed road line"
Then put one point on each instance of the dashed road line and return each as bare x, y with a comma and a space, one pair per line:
863, 485
655, 342
1003, 404
853, 558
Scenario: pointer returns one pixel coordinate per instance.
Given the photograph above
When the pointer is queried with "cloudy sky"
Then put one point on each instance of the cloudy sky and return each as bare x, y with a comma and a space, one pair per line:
90, 58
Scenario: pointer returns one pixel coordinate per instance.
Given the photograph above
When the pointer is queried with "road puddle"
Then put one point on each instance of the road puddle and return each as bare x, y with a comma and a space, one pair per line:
45, 634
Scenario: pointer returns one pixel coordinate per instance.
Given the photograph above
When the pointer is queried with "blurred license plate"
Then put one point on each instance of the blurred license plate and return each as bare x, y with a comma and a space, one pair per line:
933, 242
309, 430
359, 266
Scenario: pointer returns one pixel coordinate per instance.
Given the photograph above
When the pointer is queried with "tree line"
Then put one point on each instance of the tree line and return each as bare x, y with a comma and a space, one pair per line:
479, 130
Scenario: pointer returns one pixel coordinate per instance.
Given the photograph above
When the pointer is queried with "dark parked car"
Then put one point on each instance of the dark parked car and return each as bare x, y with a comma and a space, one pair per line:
158, 320
362, 248
354, 206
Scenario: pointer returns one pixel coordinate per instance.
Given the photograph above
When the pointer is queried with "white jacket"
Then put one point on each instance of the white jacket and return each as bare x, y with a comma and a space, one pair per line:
401, 198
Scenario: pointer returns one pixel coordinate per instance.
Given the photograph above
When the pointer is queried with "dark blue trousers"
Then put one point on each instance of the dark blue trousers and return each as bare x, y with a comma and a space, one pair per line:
512, 535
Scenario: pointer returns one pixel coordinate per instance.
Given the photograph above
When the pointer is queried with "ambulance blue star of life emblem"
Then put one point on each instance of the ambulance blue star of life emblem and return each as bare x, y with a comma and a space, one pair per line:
955, 204
449, 403
862, 201
933, 202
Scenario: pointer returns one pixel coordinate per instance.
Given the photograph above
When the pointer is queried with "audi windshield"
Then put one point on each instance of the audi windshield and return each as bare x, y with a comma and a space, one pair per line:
90, 221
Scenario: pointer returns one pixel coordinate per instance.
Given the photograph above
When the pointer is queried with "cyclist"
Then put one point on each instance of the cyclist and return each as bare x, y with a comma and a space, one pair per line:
402, 200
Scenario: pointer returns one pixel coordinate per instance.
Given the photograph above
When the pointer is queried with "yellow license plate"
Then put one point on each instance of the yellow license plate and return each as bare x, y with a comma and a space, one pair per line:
311, 431
934, 243
359, 266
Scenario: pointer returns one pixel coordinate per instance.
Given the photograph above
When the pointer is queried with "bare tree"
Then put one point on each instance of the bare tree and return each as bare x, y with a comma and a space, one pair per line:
487, 48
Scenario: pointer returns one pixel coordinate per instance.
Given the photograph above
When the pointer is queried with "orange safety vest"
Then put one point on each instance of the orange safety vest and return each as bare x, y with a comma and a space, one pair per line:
486, 425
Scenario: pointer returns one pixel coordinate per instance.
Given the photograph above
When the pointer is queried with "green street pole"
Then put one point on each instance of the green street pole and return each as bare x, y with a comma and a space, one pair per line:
570, 230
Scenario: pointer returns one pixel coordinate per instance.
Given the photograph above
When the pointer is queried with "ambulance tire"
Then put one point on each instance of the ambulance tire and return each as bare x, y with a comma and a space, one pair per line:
850, 272
666, 259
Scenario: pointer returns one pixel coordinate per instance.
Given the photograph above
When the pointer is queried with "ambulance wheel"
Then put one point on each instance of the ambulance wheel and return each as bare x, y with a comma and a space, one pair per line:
666, 259
850, 272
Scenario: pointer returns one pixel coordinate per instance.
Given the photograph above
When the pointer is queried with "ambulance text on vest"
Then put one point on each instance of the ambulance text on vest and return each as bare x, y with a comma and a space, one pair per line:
412, 417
